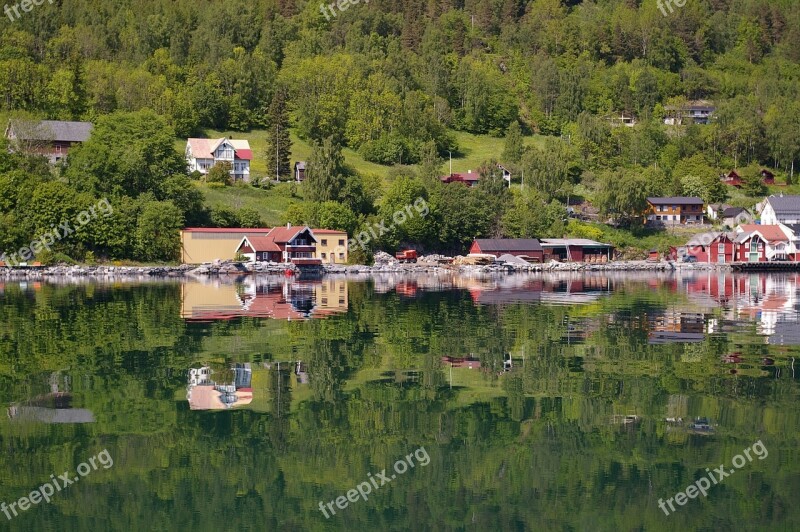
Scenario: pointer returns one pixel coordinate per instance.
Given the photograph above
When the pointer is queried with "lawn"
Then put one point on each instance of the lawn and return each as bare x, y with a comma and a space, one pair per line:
472, 151
270, 204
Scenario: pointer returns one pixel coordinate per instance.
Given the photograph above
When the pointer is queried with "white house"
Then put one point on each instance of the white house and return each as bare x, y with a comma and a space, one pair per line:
781, 209
202, 154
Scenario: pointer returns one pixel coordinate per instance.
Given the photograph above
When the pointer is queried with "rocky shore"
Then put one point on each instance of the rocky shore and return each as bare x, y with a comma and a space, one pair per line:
236, 268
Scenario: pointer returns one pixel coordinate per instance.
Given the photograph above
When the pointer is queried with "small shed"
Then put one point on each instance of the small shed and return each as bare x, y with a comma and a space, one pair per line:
576, 250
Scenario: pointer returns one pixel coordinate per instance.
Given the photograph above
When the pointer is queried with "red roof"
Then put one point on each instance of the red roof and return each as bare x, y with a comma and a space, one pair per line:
261, 244
465, 177
246, 155
772, 233
285, 234
328, 232
242, 230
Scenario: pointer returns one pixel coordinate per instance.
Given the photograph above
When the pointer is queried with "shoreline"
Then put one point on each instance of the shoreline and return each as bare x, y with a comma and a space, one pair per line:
234, 269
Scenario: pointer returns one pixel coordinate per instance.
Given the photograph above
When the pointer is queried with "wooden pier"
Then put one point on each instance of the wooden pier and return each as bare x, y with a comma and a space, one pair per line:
775, 266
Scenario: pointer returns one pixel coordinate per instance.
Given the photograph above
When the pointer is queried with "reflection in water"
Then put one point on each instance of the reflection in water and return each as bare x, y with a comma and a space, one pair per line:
546, 402
53, 407
260, 297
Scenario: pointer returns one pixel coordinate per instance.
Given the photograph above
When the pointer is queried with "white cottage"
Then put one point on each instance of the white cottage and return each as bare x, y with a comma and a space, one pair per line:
202, 154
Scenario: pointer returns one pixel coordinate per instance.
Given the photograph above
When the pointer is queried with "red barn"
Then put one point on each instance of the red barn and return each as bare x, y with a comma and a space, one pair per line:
529, 247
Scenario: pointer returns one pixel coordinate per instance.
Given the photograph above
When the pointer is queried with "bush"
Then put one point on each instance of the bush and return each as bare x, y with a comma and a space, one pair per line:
50, 258
387, 150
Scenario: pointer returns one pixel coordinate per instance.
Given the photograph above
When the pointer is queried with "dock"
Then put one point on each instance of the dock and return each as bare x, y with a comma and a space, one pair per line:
775, 266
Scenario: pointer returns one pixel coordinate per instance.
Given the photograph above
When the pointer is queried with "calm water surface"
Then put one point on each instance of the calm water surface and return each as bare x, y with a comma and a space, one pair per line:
511, 403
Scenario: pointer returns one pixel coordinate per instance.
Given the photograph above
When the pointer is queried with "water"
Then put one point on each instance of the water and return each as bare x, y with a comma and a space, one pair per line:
528, 402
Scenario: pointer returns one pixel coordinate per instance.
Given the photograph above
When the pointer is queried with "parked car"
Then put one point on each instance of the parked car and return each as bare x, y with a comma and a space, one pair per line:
689, 258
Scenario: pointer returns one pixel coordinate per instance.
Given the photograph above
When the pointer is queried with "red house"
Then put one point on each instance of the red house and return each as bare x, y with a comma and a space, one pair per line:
470, 178
732, 179
529, 247
751, 247
722, 250
282, 244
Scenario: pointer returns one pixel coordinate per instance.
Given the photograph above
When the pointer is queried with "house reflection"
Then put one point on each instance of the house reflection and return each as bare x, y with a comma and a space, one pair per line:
221, 386
53, 407
205, 393
263, 298
769, 300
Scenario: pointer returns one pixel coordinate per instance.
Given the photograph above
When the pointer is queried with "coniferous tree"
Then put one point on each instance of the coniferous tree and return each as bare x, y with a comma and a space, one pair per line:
279, 144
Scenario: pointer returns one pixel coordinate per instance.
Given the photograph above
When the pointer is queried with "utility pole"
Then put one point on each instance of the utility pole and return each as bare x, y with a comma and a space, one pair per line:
451, 162
277, 164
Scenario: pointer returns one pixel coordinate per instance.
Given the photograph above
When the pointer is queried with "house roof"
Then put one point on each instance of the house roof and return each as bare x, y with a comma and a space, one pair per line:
703, 239
51, 130
508, 244
239, 230
772, 233
465, 176
260, 243
794, 228
328, 232
242, 149
204, 148
582, 242
785, 205
731, 212
287, 234
676, 200
301, 165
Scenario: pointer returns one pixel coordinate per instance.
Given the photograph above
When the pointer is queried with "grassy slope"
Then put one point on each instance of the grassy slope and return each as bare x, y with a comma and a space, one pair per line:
271, 204
473, 150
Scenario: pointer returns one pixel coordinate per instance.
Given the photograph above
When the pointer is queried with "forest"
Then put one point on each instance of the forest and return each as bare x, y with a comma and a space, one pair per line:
393, 82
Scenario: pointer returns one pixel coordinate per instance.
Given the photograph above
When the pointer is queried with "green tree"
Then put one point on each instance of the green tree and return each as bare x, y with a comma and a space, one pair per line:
220, 173
514, 146
158, 231
325, 171
279, 142
752, 182
127, 153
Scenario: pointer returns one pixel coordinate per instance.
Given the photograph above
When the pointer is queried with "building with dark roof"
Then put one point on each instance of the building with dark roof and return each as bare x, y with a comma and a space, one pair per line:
519, 247
781, 209
50, 138
674, 210
576, 250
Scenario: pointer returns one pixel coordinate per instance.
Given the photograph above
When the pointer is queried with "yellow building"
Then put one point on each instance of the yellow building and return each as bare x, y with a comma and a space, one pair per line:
331, 246
204, 244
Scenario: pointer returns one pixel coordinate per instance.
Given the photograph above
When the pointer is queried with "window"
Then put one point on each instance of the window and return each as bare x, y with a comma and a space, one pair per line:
324, 242
324, 300
324, 256
721, 248
341, 256
341, 242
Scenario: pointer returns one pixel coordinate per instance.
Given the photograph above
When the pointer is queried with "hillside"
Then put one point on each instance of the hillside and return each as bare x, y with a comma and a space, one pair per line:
605, 101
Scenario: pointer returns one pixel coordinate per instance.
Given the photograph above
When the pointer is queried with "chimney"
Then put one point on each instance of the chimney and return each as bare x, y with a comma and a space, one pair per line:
288, 225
